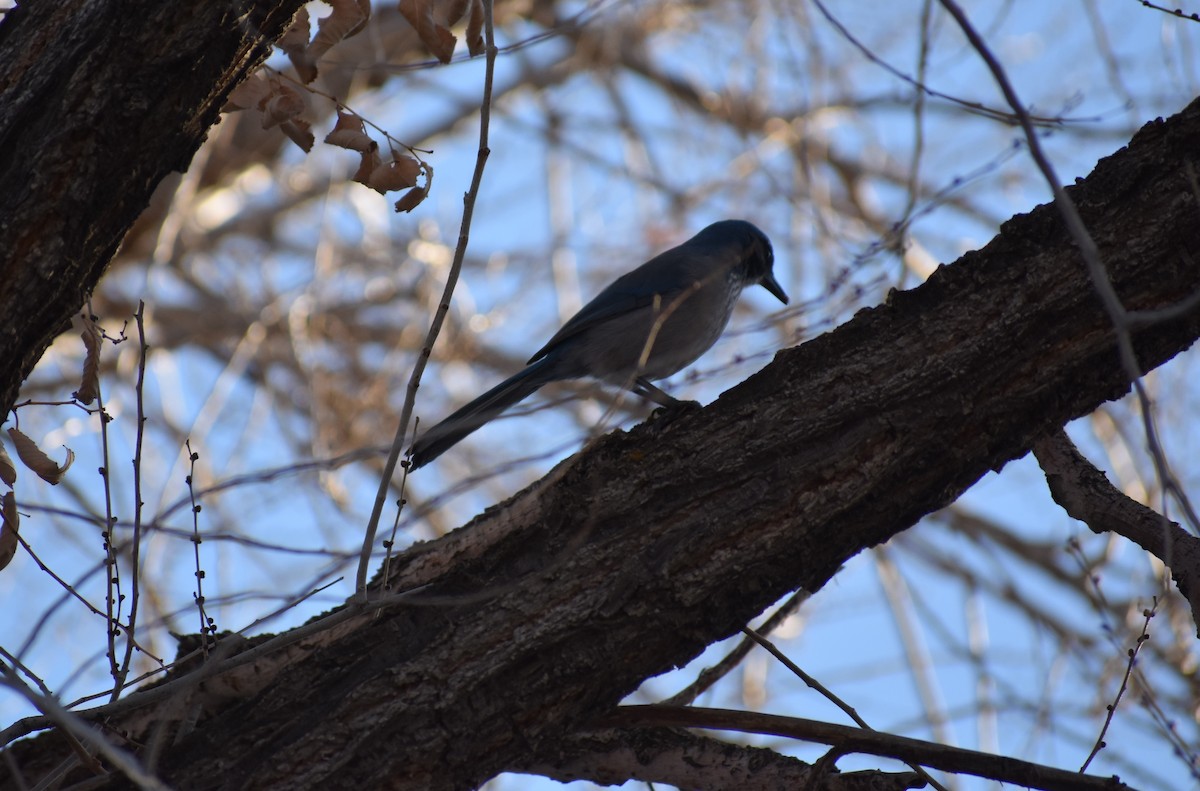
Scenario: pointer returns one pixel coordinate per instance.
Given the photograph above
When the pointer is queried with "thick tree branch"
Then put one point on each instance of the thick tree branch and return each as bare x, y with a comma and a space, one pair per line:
1087, 495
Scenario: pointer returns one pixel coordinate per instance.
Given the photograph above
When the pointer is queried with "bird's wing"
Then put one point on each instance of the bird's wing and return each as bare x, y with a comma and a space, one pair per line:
633, 291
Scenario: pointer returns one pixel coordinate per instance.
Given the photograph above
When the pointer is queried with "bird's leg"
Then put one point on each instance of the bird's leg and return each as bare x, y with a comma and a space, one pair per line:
643, 387
671, 407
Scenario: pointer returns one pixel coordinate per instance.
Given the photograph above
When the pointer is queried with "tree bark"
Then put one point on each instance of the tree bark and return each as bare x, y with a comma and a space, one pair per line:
635, 554
99, 101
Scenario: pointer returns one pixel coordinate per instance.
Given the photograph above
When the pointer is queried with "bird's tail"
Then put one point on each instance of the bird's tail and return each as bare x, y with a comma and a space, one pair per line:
444, 435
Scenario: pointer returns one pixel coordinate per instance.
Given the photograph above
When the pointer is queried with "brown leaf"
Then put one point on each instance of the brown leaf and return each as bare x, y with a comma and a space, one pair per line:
33, 458
474, 35
294, 42
283, 104
436, 37
89, 387
370, 161
413, 198
251, 93
449, 12
8, 470
10, 521
401, 172
348, 18
349, 133
300, 133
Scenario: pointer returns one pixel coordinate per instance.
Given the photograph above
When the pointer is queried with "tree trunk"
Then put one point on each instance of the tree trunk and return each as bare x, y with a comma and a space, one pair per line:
99, 101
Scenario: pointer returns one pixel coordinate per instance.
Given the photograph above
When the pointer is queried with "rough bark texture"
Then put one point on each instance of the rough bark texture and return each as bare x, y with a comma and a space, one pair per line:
634, 555
87, 131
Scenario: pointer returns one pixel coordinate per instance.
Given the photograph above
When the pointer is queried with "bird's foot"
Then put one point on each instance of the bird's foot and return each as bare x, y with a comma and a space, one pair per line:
673, 411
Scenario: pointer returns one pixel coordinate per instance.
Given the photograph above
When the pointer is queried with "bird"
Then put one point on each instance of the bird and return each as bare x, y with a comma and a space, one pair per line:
646, 325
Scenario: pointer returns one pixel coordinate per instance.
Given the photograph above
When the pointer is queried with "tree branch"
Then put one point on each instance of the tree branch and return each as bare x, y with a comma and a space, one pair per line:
1087, 495
612, 756
849, 739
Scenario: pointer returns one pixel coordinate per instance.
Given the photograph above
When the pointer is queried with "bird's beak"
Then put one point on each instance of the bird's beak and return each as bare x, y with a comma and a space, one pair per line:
771, 284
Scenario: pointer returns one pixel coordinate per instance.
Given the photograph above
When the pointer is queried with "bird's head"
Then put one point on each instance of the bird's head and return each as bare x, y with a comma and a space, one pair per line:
757, 258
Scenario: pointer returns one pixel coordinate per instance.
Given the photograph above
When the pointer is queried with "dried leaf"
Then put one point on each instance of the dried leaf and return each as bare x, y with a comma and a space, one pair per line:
436, 37
370, 161
348, 18
294, 42
474, 36
300, 133
10, 522
283, 104
89, 387
412, 199
8, 470
33, 458
251, 93
401, 172
296, 36
349, 133
449, 12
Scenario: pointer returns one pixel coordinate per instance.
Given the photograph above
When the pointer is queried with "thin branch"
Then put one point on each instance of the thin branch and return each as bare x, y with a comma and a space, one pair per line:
1112, 707
439, 316
975, 107
858, 740
135, 552
207, 625
112, 571
828, 695
55, 713
711, 675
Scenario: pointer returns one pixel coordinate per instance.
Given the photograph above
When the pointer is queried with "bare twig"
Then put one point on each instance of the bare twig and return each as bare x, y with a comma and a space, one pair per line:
1112, 707
1176, 12
135, 552
54, 713
974, 107
711, 675
112, 571
439, 315
207, 625
828, 695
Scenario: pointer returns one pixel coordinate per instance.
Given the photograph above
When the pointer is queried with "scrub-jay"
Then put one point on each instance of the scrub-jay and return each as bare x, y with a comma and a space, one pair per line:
646, 325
